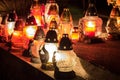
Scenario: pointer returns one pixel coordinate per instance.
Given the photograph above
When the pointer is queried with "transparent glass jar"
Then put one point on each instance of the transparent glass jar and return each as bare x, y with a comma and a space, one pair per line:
91, 25
113, 23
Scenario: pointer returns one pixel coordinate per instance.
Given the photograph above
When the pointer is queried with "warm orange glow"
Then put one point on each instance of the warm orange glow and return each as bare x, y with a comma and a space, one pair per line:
90, 28
30, 31
16, 37
75, 34
118, 2
16, 33
19, 41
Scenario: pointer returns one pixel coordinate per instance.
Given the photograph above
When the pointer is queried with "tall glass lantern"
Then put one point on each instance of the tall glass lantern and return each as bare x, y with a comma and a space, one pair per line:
17, 39
51, 11
64, 60
113, 23
91, 24
47, 50
66, 22
29, 32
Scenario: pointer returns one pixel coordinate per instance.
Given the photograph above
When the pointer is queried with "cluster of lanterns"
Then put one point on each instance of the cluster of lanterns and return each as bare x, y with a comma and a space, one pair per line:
47, 37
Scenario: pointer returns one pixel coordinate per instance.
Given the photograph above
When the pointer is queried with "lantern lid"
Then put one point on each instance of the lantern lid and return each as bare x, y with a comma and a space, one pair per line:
91, 11
12, 16
51, 36
31, 20
65, 43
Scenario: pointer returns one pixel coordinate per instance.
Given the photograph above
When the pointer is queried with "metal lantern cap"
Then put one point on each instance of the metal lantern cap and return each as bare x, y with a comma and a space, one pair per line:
12, 16
91, 11
51, 36
31, 20
65, 43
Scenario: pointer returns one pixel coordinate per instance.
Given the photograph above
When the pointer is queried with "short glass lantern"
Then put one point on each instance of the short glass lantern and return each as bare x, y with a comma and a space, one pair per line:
64, 60
47, 50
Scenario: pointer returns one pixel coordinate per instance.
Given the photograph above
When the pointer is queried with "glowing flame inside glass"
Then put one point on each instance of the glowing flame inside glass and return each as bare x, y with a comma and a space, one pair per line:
10, 27
51, 48
30, 31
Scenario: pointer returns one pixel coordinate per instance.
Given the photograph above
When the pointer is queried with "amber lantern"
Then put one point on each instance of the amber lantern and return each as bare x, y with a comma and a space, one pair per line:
91, 24
30, 27
47, 50
29, 32
64, 60
17, 39
66, 22
51, 11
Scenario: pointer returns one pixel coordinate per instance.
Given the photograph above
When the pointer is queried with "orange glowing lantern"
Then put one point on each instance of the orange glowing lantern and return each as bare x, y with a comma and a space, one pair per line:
17, 39
31, 27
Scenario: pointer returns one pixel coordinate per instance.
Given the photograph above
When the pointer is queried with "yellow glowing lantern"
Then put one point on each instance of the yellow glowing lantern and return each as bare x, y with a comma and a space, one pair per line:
64, 60
30, 31
47, 50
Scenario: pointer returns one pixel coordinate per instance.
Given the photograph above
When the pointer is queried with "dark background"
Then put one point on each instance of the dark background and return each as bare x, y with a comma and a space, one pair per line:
22, 6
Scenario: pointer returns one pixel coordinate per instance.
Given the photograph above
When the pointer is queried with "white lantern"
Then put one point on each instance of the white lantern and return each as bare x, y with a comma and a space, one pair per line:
64, 59
47, 50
